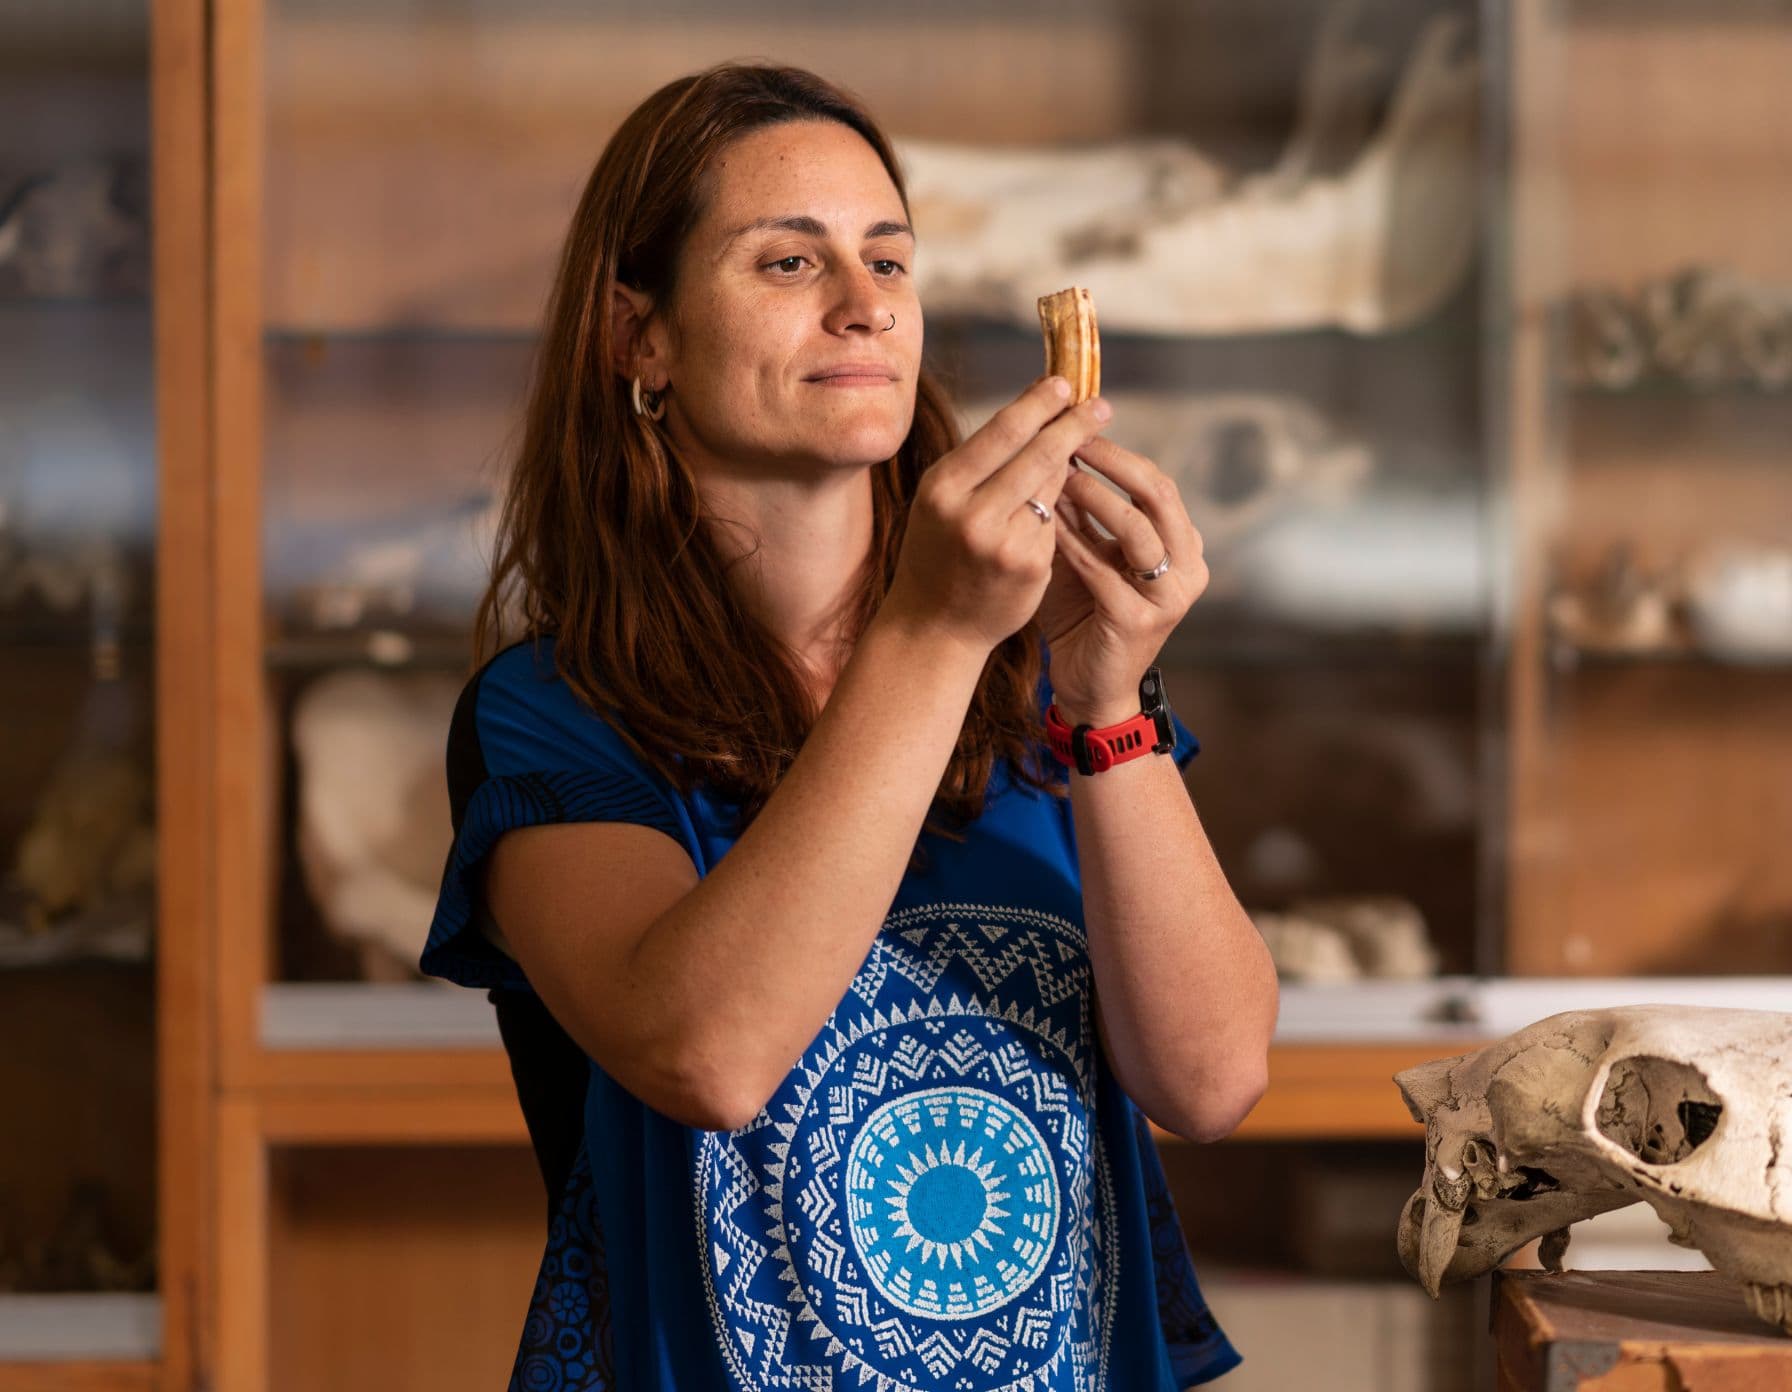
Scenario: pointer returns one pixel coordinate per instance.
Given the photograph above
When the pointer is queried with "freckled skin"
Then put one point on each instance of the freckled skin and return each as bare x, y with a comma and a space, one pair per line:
753, 326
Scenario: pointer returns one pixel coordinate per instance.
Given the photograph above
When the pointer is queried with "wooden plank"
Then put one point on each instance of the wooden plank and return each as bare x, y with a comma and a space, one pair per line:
241, 1249
407, 1268
462, 1116
185, 1034
84, 1376
1316, 1091
1633, 1331
243, 767
264, 1072
1673, 141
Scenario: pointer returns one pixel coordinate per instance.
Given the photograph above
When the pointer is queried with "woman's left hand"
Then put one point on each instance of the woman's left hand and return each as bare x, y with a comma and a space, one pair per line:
1106, 627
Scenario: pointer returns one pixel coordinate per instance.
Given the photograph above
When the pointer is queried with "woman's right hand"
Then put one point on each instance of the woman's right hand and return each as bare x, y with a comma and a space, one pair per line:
975, 559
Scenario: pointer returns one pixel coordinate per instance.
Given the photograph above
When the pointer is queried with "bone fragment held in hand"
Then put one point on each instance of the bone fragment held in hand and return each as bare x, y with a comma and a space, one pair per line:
1072, 344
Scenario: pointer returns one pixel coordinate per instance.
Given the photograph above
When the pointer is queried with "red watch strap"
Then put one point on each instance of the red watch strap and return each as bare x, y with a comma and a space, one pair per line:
1110, 745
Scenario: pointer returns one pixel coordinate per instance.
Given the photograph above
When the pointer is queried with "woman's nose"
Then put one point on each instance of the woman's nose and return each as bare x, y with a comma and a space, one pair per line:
859, 303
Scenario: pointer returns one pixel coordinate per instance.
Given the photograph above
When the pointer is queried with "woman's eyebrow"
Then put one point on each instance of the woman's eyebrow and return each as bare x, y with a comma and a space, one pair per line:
813, 227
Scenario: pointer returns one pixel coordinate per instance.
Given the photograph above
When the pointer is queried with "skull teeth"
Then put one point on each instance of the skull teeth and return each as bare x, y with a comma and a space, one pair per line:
1771, 1303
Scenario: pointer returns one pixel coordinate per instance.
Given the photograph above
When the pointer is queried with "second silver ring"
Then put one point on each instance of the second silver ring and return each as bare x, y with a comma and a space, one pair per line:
1045, 513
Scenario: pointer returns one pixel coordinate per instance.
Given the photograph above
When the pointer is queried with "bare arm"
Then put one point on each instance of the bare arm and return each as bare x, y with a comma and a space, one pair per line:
703, 1011
1185, 990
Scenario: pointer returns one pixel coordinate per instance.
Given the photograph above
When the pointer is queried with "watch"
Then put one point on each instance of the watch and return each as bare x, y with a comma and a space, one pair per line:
1091, 751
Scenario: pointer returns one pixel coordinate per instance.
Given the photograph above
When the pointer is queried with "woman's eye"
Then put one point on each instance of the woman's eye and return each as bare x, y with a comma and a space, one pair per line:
784, 262
896, 266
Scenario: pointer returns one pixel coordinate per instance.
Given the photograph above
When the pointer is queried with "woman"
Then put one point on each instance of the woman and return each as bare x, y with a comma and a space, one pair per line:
817, 1104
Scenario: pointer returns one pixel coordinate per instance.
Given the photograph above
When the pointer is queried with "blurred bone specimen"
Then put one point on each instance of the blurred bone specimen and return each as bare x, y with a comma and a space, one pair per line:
1239, 458
419, 566
1170, 242
1706, 326
77, 231
1347, 937
1687, 1109
373, 818
1625, 608
1304, 950
1738, 598
91, 838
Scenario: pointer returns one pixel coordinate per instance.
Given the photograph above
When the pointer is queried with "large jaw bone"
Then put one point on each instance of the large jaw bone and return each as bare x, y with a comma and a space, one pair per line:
1174, 242
1072, 344
1477, 1204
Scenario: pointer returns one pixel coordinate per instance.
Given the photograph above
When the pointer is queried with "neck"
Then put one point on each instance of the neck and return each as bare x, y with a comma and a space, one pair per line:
794, 549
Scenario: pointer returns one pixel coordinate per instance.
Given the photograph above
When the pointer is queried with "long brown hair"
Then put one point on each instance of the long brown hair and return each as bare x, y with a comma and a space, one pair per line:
599, 542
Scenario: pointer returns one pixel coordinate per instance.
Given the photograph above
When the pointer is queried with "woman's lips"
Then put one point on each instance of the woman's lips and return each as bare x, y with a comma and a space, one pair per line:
853, 379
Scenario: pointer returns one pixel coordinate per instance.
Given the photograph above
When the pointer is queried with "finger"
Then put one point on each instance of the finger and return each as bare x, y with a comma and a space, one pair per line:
1099, 541
1004, 435
1151, 490
1140, 544
1113, 591
1038, 471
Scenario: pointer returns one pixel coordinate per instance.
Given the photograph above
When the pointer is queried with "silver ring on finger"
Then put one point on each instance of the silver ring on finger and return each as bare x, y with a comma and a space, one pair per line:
1045, 513
1155, 570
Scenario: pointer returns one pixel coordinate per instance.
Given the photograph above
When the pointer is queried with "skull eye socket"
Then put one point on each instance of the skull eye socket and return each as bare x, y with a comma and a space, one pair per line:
1660, 1110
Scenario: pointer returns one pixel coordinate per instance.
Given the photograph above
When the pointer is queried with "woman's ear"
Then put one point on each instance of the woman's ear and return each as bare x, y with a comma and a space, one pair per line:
635, 345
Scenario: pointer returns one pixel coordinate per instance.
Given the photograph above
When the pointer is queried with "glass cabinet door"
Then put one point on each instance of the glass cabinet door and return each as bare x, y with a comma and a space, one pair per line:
1653, 768
78, 506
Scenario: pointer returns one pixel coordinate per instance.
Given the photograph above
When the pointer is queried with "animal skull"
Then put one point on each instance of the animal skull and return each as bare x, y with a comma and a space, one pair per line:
1685, 1108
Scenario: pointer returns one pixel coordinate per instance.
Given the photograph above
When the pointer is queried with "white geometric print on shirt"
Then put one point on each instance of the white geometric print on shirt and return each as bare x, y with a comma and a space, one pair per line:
925, 1203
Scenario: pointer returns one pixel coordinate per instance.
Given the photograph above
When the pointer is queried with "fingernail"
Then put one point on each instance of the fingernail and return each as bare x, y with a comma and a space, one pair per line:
1100, 409
1061, 388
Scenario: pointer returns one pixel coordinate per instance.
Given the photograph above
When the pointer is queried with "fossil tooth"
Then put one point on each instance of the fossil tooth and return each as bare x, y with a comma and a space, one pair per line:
1072, 344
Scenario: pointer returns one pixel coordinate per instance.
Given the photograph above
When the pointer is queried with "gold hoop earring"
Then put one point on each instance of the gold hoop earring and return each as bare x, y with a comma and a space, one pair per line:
655, 404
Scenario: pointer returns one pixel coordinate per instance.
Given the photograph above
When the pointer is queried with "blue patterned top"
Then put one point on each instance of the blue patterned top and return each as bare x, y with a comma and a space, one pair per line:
949, 1191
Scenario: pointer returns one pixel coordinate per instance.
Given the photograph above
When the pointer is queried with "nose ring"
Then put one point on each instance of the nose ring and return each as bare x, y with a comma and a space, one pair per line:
891, 324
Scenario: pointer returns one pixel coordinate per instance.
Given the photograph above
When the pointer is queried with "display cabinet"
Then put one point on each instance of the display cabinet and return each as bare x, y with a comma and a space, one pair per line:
388, 187
1652, 672
79, 1211
1373, 283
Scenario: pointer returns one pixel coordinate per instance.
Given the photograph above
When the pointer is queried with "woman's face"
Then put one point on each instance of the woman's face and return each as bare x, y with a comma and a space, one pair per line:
786, 288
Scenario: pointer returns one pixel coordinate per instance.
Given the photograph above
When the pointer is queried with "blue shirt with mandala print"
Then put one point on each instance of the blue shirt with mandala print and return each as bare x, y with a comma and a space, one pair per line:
948, 1192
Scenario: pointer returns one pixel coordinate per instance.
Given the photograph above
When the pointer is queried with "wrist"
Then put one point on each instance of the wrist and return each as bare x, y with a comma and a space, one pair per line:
942, 646
1097, 714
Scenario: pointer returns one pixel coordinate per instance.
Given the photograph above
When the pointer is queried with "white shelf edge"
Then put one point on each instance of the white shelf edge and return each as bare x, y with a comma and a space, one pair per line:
1472, 1008
376, 1015
78, 1327
423, 1015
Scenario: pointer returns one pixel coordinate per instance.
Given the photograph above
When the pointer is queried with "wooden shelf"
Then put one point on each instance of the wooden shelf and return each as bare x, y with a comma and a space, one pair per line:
84, 1376
462, 1115
1323, 1091
407, 1064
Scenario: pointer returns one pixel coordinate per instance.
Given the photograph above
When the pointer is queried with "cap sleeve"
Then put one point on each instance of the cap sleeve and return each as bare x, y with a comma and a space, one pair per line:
1187, 746
523, 750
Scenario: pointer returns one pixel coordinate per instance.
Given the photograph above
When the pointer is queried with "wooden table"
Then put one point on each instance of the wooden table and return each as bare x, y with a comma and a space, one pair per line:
1632, 1331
